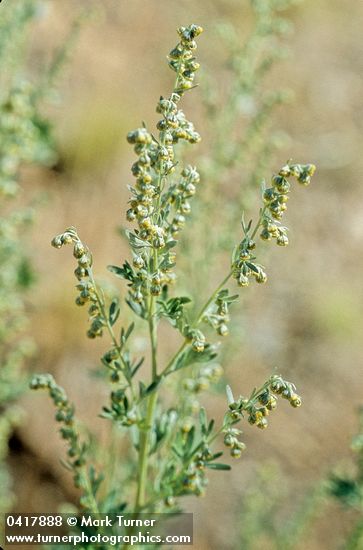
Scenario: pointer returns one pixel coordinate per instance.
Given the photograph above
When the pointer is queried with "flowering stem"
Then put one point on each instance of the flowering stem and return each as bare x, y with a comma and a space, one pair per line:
169, 368
144, 436
108, 324
212, 298
155, 163
153, 338
259, 221
93, 506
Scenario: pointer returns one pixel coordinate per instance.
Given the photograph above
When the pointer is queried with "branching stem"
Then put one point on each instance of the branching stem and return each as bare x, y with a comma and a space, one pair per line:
101, 305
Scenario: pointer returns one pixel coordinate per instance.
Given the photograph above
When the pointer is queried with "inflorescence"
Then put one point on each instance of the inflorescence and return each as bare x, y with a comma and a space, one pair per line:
257, 408
65, 416
86, 286
275, 200
160, 211
159, 205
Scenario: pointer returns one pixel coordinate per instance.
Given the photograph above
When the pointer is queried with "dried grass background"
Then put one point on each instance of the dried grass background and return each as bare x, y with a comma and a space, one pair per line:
307, 319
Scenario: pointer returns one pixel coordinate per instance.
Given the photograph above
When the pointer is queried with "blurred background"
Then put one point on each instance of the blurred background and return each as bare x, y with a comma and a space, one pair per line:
307, 321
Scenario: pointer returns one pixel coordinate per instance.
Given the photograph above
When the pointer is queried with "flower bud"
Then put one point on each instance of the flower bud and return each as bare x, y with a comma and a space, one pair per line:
269, 195
169, 501
241, 446
229, 440
262, 423
80, 273
78, 250
198, 345
304, 179
130, 215
202, 384
223, 330
285, 171
155, 290
57, 242
244, 255
187, 425
138, 262
190, 190
236, 453
310, 169
265, 234
282, 240
189, 384
261, 277
242, 280
295, 400
84, 261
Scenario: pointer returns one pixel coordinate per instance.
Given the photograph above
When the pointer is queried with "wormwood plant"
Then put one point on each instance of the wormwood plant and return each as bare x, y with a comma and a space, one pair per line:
173, 442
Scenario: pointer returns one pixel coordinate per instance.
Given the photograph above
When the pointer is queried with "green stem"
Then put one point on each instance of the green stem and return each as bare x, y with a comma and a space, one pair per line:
153, 327
145, 434
152, 400
143, 453
258, 224
212, 298
88, 491
174, 358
